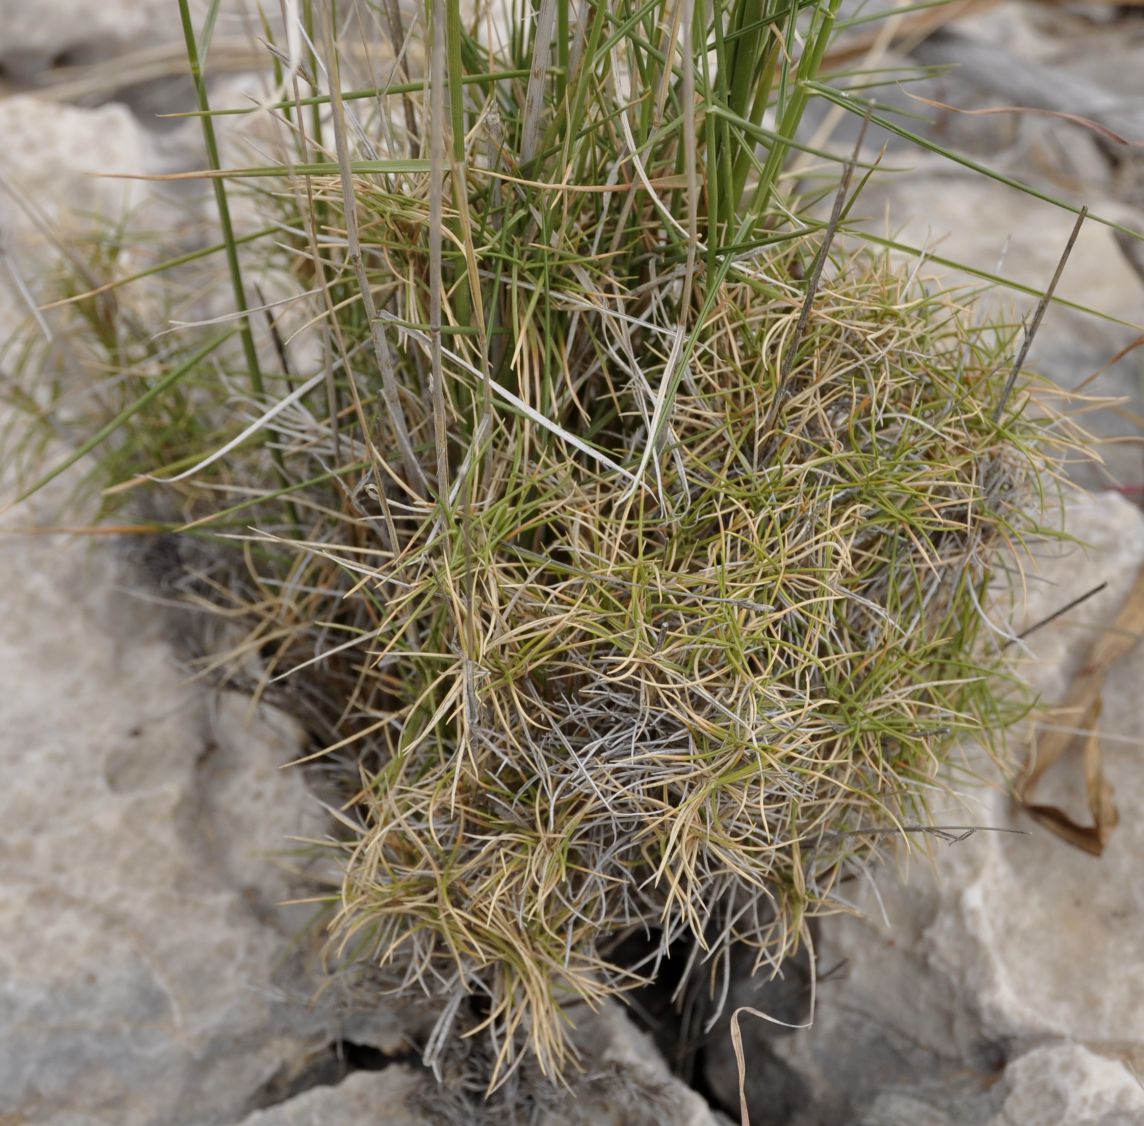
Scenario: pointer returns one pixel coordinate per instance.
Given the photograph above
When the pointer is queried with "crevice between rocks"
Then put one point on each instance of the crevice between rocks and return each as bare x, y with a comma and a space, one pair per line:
326, 1067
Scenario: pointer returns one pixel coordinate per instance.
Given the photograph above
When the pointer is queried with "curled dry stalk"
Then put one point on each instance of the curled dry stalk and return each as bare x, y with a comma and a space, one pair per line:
626, 580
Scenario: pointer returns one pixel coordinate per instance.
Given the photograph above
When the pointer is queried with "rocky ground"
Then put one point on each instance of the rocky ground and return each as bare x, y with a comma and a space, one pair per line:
150, 973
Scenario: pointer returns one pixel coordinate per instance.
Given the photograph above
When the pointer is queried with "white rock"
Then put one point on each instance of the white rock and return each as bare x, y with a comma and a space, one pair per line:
138, 955
38, 35
1068, 1083
57, 158
73, 34
1041, 932
940, 208
74, 208
364, 1098
627, 1081
1048, 1086
959, 215
147, 973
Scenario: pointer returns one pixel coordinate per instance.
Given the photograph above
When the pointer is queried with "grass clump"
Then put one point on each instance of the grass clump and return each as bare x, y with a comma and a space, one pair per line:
610, 711
626, 548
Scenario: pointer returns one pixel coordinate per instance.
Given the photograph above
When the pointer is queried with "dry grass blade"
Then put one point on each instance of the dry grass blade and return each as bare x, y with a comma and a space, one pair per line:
737, 1040
815, 278
534, 101
1038, 316
1056, 614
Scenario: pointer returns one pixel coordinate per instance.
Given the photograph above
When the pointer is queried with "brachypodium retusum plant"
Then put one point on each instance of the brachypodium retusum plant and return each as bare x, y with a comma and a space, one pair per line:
623, 539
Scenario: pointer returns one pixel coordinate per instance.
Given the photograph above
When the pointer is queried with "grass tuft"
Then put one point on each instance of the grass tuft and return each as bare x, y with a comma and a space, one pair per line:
627, 546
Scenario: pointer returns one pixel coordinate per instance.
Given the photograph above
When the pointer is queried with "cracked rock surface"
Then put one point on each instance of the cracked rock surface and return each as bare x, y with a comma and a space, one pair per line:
139, 947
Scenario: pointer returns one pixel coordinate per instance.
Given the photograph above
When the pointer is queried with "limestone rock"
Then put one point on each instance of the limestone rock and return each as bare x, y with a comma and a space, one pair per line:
74, 212
148, 973
1068, 1083
1039, 931
139, 979
116, 50
54, 157
627, 1082
957, 214
48, 33
1054, 1084
938, 209
364, 1098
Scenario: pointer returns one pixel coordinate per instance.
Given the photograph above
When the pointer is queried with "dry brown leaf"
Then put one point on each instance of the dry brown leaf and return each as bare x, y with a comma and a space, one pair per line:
1105, 816
1089, 838
1080, 712
1076, 724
